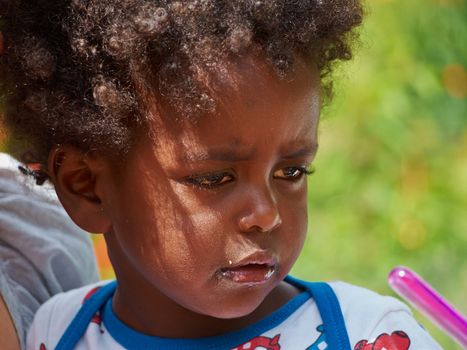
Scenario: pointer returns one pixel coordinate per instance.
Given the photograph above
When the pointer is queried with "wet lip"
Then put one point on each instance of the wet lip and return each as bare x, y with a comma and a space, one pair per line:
256, 268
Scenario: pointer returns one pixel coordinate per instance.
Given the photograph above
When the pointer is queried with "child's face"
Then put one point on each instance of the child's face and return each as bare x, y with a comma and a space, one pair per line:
212, 214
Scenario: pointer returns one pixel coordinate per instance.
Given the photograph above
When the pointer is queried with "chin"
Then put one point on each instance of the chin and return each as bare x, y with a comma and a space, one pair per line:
234, 306
235, 311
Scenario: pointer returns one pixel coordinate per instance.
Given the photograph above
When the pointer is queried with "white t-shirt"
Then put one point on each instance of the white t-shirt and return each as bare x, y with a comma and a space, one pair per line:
372, 322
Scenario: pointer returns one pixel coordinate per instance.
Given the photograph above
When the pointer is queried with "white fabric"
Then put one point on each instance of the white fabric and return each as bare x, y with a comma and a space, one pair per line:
42, 252
368, 316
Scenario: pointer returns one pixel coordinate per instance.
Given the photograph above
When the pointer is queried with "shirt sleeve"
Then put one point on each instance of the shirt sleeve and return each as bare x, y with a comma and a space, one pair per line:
37, 338
55, 315
398, 330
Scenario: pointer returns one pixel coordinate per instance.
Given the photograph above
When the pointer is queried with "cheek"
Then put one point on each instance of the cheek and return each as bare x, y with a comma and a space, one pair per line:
167, 234
149, 225
294, 214
295, 226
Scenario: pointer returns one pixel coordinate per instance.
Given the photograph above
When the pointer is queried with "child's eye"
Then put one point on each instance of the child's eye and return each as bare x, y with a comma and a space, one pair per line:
209, 180
293, 173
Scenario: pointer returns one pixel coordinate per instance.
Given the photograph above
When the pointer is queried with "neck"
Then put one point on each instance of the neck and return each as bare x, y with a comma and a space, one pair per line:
144, 308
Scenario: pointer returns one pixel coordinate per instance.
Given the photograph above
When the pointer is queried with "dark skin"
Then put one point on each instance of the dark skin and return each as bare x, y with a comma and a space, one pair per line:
197, 199
9, 338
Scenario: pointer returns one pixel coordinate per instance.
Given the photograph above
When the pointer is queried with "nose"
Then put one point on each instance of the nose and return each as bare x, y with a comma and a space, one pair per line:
260, 214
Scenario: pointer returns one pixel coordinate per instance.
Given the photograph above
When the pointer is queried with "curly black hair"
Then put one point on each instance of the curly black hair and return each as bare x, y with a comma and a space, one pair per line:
68, 73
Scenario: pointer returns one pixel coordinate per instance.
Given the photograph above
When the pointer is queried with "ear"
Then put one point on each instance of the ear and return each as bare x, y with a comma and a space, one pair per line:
74, 175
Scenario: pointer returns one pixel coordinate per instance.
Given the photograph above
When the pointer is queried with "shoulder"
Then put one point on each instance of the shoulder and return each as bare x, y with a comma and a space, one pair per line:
55, 315
354, 299
380, 320
365, 303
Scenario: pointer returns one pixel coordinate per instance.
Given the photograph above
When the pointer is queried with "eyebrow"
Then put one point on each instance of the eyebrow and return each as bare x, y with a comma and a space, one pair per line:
221, 154
308, 150
238, 155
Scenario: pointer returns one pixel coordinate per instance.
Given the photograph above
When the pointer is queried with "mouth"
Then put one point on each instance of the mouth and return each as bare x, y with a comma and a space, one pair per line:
255, 269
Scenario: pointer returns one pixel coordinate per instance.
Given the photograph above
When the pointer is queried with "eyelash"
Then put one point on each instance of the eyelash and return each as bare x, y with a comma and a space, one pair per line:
214, 180
302, 170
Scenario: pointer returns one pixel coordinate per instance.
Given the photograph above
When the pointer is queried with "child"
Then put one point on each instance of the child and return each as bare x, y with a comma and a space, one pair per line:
184, 131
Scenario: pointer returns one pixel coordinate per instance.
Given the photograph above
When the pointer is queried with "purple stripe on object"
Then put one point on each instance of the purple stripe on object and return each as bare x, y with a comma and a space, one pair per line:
428, 301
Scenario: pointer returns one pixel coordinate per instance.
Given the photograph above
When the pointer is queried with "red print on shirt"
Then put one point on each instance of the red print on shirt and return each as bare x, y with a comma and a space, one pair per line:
97, 317
42, 347
261, 343
398, 340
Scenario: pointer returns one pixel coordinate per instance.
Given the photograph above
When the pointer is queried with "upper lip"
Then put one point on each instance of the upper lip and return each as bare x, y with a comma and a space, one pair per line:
260, 257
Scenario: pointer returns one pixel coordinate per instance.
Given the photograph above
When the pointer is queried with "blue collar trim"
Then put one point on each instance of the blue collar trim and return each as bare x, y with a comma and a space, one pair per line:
130, 339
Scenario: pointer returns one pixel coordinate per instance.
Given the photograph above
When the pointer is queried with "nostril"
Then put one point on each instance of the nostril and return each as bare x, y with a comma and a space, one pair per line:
260, 211
258, 221
278, 222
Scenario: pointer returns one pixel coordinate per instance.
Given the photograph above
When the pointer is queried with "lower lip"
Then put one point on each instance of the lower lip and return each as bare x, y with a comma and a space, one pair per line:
249, 274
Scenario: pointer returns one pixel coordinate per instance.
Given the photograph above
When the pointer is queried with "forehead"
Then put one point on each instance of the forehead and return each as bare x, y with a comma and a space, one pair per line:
252, 104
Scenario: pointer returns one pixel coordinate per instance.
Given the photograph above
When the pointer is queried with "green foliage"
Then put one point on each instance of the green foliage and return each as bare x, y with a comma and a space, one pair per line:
391, 181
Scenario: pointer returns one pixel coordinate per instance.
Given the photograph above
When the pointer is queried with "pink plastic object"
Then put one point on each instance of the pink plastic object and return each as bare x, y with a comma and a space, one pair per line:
424, 298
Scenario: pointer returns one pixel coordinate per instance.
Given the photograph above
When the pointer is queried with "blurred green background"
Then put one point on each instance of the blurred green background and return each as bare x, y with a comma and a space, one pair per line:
391, 181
